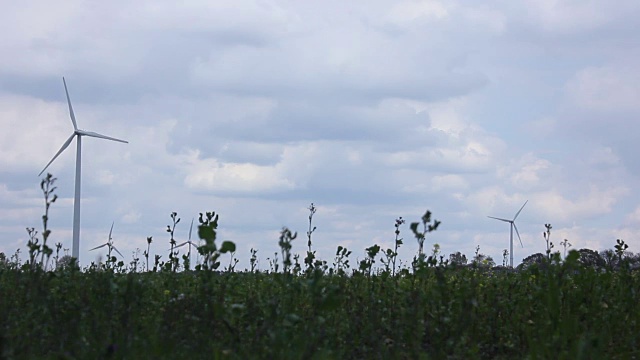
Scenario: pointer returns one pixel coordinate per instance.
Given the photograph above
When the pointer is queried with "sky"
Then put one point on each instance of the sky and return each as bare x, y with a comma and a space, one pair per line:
372, 110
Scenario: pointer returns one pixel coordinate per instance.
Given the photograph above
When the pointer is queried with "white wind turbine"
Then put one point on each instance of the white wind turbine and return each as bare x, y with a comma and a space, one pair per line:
513, 226
78, 134
189, 242
109, 244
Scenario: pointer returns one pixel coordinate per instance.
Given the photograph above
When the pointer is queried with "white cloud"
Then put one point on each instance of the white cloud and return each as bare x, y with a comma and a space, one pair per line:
131, 217
528, 172
542, 127
570, 16
606, 88
548, 205
486, 17
468, 157
31, 132
603, 156
210, 175
206, 16
372, 110
409, 11
449, 182
529, 175
489, 199
104, 177
587, 206
634, 217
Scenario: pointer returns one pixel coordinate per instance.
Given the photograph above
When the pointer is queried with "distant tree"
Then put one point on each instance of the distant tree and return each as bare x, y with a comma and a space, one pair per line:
534, 259
610, 258
66, 262
591, 258
457, 258
483, 260
634, 260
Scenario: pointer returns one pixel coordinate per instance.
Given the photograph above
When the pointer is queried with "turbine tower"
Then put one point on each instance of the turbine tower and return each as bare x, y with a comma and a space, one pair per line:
78, 134
513, 226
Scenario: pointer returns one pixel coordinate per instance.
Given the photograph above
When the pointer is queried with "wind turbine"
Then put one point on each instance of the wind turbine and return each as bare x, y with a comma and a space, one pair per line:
78, 134
109, 243
189, 242
513, 226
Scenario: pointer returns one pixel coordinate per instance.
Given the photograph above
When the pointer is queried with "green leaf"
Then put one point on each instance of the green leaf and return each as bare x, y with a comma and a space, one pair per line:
228, 246
426, 217
206, 232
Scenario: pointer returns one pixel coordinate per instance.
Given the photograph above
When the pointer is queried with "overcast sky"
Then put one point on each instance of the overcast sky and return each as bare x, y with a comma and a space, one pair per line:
369, 109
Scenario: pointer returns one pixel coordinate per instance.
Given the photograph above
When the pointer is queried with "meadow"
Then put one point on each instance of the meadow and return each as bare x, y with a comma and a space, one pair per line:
582, 306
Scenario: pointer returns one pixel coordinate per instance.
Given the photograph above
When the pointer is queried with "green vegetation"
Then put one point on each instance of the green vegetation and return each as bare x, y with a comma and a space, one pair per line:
582, 307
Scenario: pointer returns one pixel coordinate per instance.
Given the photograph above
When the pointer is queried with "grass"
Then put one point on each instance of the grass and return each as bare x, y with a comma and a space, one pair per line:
434, 309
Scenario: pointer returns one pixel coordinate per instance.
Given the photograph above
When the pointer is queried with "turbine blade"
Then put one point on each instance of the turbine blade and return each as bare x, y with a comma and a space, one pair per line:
114, 248
190, 229
505, 220
95, 134
515, 227
64, 146
181, 245
110, 231
98, 247
518, 213
73, 116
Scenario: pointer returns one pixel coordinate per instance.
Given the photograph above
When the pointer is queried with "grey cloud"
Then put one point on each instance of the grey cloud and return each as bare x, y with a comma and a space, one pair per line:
317, 93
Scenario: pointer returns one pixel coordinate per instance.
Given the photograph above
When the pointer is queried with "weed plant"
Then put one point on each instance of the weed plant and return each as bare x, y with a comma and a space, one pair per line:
434, 309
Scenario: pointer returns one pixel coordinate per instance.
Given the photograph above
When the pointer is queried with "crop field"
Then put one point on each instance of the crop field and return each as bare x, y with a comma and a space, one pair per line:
579, 307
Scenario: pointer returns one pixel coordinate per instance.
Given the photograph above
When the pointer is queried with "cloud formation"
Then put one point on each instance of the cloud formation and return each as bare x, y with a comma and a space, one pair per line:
371, 110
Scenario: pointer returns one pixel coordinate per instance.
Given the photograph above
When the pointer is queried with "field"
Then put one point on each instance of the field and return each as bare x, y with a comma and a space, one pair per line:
563, 312
431, 309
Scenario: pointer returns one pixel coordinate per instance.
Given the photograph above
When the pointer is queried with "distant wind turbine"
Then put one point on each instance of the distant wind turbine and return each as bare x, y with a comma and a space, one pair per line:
76, 201
513, 226
109, 244
189, 242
